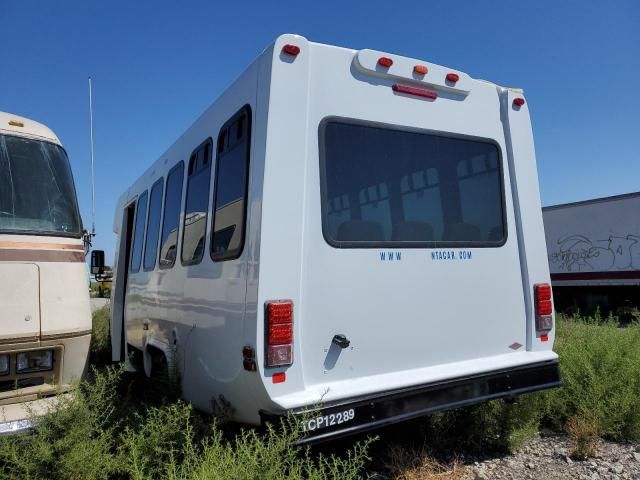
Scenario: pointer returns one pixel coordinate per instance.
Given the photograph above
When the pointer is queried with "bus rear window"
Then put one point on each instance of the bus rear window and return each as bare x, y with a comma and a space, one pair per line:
385, 186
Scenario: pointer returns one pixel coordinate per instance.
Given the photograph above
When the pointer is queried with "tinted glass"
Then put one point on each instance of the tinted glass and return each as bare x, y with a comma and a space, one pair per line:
172, 204
197, 204
386, 186
36, 188
153, 226
230, 200
138, 232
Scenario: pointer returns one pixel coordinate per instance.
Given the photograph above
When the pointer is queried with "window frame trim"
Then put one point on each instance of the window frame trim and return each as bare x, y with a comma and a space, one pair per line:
135, 230
387, 244
190, 263
246, 108
146, 228
164, 212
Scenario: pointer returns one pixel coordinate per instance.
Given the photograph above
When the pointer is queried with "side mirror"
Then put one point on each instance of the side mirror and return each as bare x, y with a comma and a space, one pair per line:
97, 262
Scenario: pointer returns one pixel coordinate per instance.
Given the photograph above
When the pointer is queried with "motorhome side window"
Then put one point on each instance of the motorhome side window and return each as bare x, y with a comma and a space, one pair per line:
138, 233
386, 186
230, 201
171, 218
153, 226
196, 204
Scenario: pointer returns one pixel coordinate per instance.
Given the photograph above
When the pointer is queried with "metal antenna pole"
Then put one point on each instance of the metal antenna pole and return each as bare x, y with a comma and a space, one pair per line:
93, 188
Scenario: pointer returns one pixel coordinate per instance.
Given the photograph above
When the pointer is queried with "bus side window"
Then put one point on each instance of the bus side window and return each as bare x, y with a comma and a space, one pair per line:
153, 225
138, 234
171, 217
196, 204
231, 187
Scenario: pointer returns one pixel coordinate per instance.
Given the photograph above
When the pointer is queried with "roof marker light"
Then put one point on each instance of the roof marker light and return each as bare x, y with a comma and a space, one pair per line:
291, 49
16, 123
452, 77
419, 92
518, 102
420, 69
385, 62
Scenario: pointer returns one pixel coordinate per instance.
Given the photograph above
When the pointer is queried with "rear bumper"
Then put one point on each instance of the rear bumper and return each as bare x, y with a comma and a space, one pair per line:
349, 416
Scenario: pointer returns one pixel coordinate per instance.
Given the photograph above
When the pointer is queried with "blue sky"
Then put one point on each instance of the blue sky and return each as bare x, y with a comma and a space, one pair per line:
158, 64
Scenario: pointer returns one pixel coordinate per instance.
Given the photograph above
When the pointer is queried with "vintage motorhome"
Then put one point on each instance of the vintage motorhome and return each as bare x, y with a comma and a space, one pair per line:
350, 233
44, 293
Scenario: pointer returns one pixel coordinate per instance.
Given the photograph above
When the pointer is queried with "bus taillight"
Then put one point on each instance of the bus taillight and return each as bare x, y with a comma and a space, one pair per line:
279, 333
543, 307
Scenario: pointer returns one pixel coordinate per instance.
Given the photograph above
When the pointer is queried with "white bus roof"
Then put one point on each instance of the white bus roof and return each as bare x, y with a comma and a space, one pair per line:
11, 124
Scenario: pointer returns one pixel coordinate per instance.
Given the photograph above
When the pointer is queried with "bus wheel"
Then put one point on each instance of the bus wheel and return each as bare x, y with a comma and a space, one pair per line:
162, 372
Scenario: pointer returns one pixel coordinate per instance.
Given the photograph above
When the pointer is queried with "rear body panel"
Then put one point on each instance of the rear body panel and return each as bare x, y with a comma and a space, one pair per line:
413, 315
416, 309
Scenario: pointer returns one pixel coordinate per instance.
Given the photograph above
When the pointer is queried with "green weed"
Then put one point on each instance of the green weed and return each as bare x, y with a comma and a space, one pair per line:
600, 368
101, 337
96, 433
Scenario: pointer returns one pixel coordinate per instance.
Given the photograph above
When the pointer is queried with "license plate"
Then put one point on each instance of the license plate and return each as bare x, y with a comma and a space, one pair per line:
329, 420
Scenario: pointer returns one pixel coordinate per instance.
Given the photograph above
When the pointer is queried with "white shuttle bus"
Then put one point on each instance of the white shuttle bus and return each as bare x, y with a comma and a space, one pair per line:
44, 293
350, 234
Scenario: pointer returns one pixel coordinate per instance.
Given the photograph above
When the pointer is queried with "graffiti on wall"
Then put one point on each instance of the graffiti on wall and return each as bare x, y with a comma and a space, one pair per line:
578, 253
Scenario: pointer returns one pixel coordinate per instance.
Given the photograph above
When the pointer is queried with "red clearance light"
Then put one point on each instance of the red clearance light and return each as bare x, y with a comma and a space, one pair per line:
543, 299
544, 338
279, 377
291, 49
385, 62
452, 77
279, 333
420, 70
280, 312
518, 102
419, 92
543, 307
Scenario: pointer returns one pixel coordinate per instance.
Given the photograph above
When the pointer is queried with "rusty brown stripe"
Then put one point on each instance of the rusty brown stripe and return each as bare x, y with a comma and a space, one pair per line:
9, 341
42, 246
26, 255
58, 336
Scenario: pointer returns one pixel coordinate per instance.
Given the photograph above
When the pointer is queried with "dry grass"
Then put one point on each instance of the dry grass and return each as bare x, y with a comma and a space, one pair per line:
584, 434
419, 464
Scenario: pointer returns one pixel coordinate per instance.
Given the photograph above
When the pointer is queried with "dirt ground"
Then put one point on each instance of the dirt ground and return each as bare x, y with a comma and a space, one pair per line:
547, 457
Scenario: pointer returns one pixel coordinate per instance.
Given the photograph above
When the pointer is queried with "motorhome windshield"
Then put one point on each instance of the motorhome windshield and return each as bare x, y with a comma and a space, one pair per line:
37, 194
